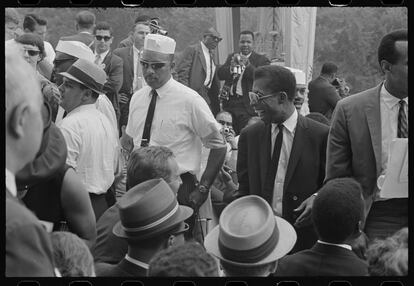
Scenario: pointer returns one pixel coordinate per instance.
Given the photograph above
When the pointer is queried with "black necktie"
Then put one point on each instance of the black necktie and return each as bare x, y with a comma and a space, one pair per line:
148, 120
271, 173
402, 121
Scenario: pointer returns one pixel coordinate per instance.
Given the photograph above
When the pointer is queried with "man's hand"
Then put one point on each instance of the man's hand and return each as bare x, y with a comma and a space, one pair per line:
127, 142
197, 198
359, 245
123, 98
306, 208
229, 136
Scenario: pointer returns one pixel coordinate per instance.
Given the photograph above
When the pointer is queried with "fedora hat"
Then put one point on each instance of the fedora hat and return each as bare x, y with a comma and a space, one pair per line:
158, 48
68, 49
149, 209
250, 234
88, 74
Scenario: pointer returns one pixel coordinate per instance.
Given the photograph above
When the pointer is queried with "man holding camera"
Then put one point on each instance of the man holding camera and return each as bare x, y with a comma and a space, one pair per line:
237, 72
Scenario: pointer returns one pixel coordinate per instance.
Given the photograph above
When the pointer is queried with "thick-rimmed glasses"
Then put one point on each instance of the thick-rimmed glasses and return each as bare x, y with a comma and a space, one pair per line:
256, 97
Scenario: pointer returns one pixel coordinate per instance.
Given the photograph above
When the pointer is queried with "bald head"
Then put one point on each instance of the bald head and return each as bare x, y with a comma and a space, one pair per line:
23, 124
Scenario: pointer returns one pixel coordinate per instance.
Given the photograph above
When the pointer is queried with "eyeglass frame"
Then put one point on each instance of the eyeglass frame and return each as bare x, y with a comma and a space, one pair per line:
260, 96
36, 52
215, 38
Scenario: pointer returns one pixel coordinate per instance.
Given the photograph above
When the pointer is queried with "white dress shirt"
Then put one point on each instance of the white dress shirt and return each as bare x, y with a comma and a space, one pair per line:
288, 135
101, 57
206, 53
139, 80
182, 122
239, 89
389, 108
92, 147
11, 182
50, 53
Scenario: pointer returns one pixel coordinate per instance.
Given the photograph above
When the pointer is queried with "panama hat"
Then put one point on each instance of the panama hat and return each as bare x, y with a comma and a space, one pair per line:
250, 234
158, 48
74, 49
149, 209
88, 74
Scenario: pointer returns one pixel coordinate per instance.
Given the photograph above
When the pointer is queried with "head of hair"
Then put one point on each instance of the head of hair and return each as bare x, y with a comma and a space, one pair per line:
337, 210
31, 20
329, 68
225, 112
148, 163
189, 259
103, 26
85, 19
231, 270
247, 32
71, 255
142, 19
11, 15
386, 48
34, 40
319, 117
278, 79
389, 257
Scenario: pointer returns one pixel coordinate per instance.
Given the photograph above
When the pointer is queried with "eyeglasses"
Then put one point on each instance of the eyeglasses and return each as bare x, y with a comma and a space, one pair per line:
216, 39
32, 53
106, 38
154, 66
226, 123
255, 97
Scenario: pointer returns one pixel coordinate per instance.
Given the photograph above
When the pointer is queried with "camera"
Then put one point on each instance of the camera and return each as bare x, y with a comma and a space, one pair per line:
156, 28
226, 130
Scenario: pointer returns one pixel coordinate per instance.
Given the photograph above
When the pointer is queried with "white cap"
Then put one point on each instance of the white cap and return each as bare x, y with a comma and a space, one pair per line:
300, 76
159, 43
76, 49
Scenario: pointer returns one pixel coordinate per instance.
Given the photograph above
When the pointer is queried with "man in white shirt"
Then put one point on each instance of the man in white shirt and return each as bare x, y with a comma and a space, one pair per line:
167, 113
89, 135
197, 68
28, 249
363, 125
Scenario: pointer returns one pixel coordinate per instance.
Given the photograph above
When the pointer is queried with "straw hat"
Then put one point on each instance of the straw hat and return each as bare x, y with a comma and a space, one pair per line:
86, 73
249, 234
149, 209
158, 48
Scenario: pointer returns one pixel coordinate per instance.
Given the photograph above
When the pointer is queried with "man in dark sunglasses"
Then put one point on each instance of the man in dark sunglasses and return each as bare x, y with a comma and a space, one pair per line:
110, 63
197, 68
282, 159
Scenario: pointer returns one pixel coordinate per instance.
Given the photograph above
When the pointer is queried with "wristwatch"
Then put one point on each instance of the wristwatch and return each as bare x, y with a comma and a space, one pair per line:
203, 189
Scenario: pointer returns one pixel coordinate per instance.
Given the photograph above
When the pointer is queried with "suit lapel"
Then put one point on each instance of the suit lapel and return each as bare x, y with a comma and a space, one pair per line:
373, 114
131, 61
201, 56
297, 148
265, 153
107, 60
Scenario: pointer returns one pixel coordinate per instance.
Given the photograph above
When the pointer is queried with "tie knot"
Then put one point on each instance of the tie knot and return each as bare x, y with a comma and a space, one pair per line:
280, 126
402, 103
154, 93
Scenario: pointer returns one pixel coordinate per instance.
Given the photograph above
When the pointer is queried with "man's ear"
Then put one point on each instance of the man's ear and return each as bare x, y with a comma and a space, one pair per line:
172, 65
17, 121
282, 97
385, 66
86, 95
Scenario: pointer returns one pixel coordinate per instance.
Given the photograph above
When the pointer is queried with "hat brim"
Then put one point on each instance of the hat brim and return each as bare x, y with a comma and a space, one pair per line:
287, 239
69, 76
181, 215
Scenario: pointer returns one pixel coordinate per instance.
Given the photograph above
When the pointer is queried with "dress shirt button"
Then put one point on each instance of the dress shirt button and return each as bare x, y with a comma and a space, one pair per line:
295, 198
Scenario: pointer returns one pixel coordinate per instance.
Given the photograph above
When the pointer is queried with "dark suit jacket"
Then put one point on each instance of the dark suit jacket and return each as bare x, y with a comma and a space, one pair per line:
28, 246
191, 71
223, 73
354, 142
109, 248
86, 38
322, 96
127, 56
304, 174
122, 269
114, 71
322, 260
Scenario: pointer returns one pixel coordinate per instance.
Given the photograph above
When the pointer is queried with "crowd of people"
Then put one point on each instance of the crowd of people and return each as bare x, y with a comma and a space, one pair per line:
135, 162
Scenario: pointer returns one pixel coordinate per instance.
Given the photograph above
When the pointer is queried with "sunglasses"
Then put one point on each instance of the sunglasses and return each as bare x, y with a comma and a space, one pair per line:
32, 53
154, 66
216, 39
106, 38
256, 97
226, 123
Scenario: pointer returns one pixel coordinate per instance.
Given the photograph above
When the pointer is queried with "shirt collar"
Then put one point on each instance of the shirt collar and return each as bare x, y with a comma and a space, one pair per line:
82, 108
11, 182
103, 55
85, 32
289, 124
389, 99
205, 49
163, 90
137, 262
346, 246
136, 50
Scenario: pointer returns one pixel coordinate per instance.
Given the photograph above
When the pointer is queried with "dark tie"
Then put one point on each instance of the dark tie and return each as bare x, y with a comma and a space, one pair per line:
148, 120
402, 121
235, 81
271, 173
211, 68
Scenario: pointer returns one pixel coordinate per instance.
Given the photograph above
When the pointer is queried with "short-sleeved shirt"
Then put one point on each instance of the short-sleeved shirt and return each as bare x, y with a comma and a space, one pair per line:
182, 122
92, 147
